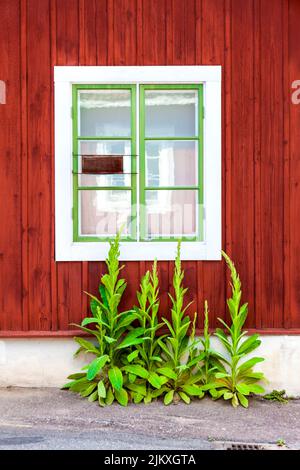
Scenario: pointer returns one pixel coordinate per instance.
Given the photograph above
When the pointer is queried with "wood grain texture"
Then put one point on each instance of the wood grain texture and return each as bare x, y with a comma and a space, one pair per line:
10, 171
257, 44
70, 50
39, 164
293, 182
242, 149
270, 253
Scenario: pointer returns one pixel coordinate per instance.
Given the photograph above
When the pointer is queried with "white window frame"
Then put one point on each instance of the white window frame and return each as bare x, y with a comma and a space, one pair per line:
64, 78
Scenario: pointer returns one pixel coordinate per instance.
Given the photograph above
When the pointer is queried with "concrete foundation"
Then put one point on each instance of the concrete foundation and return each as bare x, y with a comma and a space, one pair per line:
47, 362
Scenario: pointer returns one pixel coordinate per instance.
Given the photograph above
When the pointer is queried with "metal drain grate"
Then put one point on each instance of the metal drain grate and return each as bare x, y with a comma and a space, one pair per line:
239, 446
229, 445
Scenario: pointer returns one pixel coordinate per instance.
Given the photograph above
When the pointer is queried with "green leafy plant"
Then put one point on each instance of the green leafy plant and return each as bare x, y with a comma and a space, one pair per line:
280, 442
209, 362
179, 351
276, 395
131, 362
145, 357
237, 379
103, 379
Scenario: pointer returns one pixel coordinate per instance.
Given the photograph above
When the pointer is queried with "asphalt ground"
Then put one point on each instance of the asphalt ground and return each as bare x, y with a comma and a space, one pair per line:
52, 419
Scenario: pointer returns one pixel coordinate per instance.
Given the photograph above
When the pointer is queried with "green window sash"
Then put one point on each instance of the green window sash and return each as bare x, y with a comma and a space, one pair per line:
77, 138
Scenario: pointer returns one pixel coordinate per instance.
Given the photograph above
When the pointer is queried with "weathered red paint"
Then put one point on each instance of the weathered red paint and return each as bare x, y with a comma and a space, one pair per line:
257, 44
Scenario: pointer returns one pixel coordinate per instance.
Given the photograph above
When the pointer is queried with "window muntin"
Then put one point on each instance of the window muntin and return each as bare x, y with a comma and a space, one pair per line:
170, 148
174, 198
103, 203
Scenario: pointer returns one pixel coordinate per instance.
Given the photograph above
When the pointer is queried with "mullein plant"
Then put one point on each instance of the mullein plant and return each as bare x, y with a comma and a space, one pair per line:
146, 357
209, 362
237, 380
179, 350
133, 363
103, 379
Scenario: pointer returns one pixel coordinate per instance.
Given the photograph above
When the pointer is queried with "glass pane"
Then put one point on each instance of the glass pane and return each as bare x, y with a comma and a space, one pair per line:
171, 113
171, 213
171, 163
105, 147
104, 212
105, 113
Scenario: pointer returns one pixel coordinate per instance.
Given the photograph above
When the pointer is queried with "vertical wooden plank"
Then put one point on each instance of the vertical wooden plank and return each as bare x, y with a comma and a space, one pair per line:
124, 52
67, 29
181, 50
270, 252
54, 311
294, 174
181, 44
71, 275
102, 31
124, 14
151, 50
287, 174
87, 28
131, 273
10, 170
242, 157
96, 56
69, 293
227, 192
39, 165
24, 158
212, 273
153, 32
198, 32
87, 56
257, 156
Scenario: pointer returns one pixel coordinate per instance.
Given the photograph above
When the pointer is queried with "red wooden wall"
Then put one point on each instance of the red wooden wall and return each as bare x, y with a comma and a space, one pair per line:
257, 44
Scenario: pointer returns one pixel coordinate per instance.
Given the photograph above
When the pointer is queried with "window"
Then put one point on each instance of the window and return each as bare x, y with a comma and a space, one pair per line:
133, 149
104, 129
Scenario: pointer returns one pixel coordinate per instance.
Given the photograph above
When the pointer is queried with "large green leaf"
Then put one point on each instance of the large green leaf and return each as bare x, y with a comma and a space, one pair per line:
193, 390
109, 340
93, 396
115, 377
88, 390
101, 389
154, 379
131, 338
79, 385
168, 372
136, 369
243, 389
138, 388
77, 376
126, 320
243, 400
249, 344
168, 398
87, 345
132, 355
184, 397
249, 364
109, 397
96, 365
121, 396
257, 389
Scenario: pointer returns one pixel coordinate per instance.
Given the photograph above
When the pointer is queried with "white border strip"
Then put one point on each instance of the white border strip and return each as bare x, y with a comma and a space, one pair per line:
210, 76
